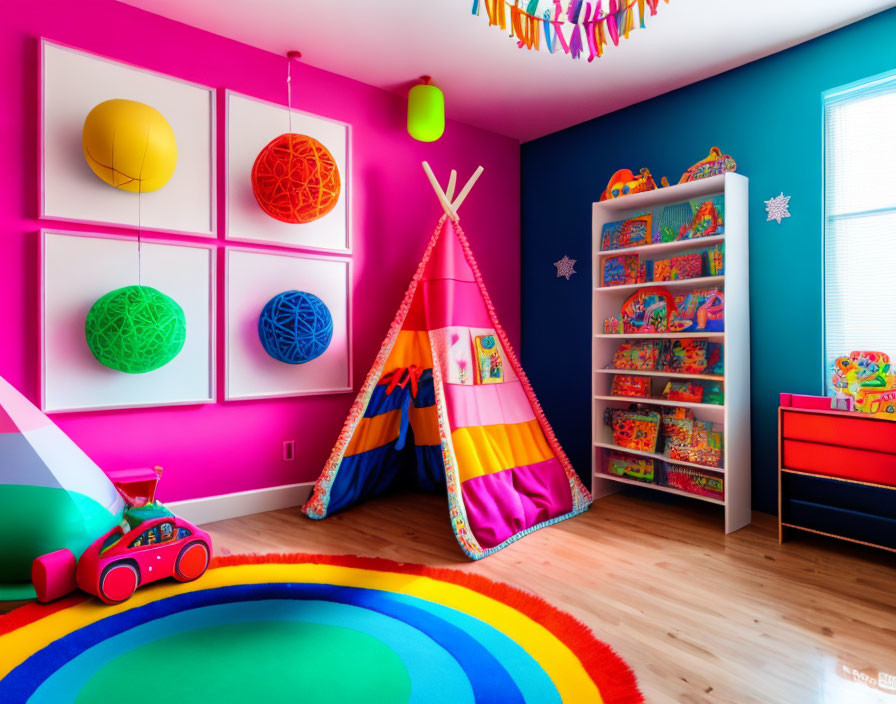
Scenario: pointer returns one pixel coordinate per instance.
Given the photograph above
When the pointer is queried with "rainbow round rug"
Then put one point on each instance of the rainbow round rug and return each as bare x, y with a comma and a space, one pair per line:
311, 628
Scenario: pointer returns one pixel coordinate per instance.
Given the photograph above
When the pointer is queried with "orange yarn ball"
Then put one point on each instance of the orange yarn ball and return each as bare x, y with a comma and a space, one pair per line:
295, 179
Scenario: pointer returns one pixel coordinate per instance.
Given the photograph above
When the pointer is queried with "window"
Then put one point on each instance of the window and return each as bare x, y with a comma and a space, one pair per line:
860, 220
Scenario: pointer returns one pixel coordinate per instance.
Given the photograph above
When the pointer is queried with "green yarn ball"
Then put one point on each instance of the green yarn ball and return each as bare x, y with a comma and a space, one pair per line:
135, 329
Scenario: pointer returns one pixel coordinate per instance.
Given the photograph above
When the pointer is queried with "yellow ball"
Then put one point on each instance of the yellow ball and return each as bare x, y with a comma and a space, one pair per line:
129, 145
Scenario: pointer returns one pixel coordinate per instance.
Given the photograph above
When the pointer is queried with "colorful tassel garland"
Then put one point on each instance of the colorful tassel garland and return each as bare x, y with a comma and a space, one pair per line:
528, 28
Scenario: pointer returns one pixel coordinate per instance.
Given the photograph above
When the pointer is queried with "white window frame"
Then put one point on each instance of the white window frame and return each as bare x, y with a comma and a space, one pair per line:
844, 93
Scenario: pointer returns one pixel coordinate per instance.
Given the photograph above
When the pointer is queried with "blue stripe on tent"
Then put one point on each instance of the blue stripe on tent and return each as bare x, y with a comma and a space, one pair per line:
488, 678
363, 476
381, 403
373, 472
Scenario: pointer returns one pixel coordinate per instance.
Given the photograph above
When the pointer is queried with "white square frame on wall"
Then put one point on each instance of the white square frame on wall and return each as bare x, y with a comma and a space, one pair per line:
252, 278
250, 124
77, 268
72, 82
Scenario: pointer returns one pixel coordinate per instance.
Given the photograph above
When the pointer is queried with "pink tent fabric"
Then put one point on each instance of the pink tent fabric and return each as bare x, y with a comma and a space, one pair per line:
447, 406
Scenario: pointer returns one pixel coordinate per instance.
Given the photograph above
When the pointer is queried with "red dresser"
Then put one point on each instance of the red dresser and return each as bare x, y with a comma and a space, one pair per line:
837, 472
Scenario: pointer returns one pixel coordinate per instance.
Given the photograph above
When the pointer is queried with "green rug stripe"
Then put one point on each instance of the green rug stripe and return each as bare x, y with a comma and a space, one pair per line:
316, 664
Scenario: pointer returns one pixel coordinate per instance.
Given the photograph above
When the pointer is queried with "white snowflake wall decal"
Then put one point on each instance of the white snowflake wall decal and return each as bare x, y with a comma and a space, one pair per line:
565, 267
778, 207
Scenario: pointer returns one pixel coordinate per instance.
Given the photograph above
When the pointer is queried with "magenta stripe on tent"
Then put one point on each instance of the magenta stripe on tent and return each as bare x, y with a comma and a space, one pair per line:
502, 504
487, 404
454, 303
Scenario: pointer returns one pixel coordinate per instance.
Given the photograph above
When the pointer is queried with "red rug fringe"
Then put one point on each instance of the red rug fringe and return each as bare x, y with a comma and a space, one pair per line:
612, 675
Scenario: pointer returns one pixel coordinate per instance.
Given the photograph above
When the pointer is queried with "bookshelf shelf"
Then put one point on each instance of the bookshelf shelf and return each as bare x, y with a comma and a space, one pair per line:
734, 416
678, 285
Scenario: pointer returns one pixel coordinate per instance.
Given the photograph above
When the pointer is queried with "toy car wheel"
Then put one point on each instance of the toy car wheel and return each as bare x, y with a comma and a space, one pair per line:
891, 409
192, 561
118, 582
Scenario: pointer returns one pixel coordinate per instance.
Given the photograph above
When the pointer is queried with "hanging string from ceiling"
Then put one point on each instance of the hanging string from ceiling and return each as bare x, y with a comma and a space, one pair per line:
559, 29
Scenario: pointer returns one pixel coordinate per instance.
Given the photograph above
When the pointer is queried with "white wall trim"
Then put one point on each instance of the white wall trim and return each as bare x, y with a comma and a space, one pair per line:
242, 503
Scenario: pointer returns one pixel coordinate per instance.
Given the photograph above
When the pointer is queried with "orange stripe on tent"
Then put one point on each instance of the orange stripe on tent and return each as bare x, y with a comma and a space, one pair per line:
487, 449
374, 432
411, 347
425, 424
383, 429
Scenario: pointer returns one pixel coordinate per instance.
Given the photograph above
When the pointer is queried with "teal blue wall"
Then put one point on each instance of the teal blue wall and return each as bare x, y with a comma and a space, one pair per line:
767, 115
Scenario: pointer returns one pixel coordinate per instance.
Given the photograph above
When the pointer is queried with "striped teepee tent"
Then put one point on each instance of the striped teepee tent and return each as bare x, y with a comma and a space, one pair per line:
447, 404
52, 495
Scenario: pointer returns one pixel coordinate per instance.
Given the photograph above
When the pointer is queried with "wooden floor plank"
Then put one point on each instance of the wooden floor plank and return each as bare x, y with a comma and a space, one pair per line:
701, 617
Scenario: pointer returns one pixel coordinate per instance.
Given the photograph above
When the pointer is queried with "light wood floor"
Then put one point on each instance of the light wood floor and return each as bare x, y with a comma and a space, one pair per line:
700, 616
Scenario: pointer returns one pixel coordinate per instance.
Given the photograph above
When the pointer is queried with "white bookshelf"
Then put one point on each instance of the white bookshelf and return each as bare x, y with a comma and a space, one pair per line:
734, 415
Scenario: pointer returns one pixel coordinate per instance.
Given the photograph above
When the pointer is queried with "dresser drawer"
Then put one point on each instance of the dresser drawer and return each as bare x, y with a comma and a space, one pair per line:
838, 461
875, 500
865, 527
862, 432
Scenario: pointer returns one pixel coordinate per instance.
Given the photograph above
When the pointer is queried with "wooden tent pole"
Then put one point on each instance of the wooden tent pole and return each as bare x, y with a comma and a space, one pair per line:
452, 181
465, 191
440, 194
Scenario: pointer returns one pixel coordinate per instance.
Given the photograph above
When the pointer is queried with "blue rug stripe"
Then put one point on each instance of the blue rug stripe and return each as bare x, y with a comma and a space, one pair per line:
432, 670
490, 682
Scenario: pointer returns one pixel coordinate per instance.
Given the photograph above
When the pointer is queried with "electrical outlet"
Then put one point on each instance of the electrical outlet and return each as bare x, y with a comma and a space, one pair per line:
289, 450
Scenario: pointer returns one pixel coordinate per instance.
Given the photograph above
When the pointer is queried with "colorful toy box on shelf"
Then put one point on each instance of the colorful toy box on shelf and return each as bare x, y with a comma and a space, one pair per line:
685, 266
632, 232
863, 382
700, 311
639, 355
635, 429
687, 356
623, 465
624, 269
693, 356
655, 310
707, 220
686, 391
693, 481
677, 426
647, 311
691, 220
630, 386
715, 260
704, 447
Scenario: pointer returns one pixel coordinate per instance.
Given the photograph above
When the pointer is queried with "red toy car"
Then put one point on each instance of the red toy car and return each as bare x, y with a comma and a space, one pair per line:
149, 544
159, 545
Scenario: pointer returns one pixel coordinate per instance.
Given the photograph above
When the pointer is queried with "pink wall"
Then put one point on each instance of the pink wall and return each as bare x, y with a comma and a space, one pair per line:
226, 447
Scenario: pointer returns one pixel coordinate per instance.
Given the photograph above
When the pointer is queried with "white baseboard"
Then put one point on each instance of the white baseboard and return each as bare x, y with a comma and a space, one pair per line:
242, 503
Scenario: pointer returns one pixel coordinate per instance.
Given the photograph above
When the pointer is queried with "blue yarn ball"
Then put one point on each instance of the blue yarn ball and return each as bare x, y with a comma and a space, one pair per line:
295, 327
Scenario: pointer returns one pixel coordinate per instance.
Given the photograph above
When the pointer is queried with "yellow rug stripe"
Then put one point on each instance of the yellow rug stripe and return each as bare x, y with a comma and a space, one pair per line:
486, 449
560, 664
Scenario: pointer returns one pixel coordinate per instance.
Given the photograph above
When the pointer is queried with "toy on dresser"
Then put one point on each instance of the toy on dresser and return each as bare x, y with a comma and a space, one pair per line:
863, 382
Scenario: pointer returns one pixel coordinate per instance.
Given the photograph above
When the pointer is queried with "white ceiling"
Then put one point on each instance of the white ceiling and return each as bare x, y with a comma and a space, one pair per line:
490, 83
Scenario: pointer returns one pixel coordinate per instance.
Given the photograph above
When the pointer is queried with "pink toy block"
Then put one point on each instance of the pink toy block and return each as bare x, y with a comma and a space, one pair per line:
53, 575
